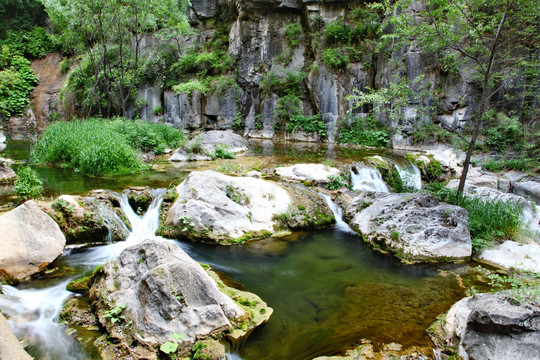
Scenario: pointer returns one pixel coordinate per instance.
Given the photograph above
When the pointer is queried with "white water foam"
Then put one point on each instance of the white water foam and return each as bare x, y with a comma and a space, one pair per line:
338, 215
367, 178
410, 175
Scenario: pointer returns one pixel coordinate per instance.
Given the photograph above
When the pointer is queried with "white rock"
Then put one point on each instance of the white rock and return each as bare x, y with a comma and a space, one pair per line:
317, 173
512, 255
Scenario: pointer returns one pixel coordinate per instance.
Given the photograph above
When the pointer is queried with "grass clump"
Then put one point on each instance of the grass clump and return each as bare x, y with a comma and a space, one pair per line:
28, 184
364, 131
101, 147
490, 220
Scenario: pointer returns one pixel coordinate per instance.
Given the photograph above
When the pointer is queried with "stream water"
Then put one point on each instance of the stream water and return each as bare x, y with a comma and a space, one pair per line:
328, 289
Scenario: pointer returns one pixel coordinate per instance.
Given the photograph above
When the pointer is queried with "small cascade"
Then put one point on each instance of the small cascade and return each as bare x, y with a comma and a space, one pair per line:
338, 215
410, 175
33, 314
367, 178
111, 220
142, 228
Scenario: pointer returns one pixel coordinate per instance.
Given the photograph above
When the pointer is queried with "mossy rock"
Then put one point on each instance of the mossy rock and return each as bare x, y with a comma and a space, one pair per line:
388, 171
430, 169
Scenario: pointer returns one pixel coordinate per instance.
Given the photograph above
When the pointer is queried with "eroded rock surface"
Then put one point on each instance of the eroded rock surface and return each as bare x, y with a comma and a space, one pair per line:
220, 208
7, 175
512, 255
413, 226
493, 326
313, 173
204, 146
29, 240
158, 291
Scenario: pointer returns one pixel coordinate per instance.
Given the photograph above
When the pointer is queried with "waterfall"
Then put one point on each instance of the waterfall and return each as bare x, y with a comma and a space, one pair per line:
33, 314
367, 178
338, 215
410, 175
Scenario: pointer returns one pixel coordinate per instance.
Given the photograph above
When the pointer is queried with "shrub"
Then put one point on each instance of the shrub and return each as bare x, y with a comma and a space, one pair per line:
99, 147
489, 220
334, 58
337, 32
312, 124
509, 132
222, 152
28, 184
292, 34
17, 80
364, 131
32, 44
192, 85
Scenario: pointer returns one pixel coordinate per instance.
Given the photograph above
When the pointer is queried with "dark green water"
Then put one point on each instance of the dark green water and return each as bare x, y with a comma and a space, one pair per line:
329, 290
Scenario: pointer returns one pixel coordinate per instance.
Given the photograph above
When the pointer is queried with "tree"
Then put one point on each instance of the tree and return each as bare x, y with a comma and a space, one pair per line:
497, 39
110, 35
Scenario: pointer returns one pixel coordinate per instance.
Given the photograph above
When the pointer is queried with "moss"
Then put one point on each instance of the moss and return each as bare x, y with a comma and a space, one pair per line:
430, 171
388, 172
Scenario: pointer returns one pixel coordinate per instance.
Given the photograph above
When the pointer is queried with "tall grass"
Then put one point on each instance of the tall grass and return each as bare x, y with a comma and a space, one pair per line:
102, 147
490, 220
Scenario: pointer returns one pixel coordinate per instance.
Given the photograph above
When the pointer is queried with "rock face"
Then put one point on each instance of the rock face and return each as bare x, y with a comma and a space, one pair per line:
161, 291
29, 240
494, 326
10, 347
313, 173
204, 146
413, 226
223, 208
529, 189
6, 174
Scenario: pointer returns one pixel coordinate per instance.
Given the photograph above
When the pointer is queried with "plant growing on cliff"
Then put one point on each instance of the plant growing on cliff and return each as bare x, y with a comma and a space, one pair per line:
492, 38
28, 184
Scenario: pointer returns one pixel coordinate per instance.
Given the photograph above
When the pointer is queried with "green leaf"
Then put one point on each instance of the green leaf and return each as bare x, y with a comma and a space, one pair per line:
168, 347
177, 336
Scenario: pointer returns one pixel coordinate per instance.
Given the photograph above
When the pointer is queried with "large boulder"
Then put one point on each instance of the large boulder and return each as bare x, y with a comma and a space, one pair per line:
207, 146
220, 208
154, 290
491, 326
529, 189
29, 240
413, 226
10, 347
312, 173
513, 256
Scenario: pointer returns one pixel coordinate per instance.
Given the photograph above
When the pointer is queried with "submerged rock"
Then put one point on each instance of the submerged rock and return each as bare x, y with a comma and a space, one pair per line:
491, 326
154, 293
29, 241
220, 208
412, 226
209, 145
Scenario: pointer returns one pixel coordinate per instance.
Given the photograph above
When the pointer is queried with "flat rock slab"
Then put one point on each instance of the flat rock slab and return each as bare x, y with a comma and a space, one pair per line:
220, 208
29, 240
493, 326
7, 175
203, 146
413, 226
10, 347
512, 255
314, 173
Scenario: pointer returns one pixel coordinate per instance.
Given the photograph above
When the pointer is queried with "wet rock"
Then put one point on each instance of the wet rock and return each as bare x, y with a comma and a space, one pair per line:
7, 175
214, 207
204, 146
492, 326
10, 347
413, 226
29, 241
155, 290
514, 256
313, 173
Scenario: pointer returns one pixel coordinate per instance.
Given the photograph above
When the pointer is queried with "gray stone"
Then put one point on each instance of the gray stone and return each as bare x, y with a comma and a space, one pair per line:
150, 97
204, 9
7, 175
494, 326
513, 256
29, 240
221, 109
10, 347
164, 292
529, 189
203, 146
414, 226
504, 185
313, 173
224, 208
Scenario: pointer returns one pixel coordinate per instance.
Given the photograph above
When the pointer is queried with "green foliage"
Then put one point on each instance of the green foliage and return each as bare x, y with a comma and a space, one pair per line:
429, 131
222, 152
364, 131
311, 124
115, 314
517, 163
99, 147
236, 195
17, 80
31, 44
293, 32
28, 184
238, 122
21, 15
158, 110
337, 32
489, 220
168, 347
506, 134
190, 86
335, 58
525, 286
340, 181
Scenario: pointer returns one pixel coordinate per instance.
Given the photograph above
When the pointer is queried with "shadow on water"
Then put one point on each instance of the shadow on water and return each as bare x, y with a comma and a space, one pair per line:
328, 291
